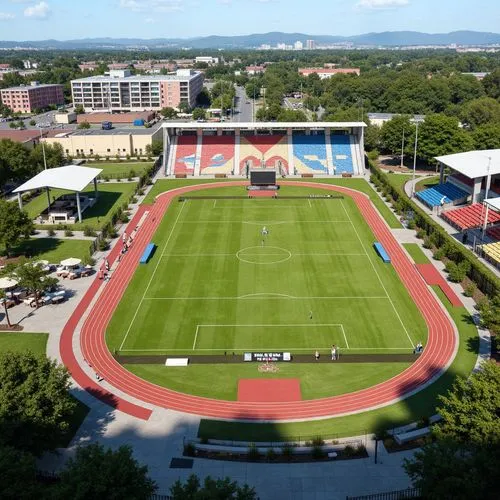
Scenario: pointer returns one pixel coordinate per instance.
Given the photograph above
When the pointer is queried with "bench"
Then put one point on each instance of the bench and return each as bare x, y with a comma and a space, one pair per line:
346, 174
180, 176
147, 253
405, 437
307, 175
177, 362
220, 176
381, 251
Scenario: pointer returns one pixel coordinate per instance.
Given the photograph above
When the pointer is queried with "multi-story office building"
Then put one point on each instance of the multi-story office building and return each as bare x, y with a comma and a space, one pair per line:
27, 98
121, 91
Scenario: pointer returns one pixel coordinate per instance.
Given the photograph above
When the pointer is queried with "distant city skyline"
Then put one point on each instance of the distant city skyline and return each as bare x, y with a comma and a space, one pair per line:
63, 20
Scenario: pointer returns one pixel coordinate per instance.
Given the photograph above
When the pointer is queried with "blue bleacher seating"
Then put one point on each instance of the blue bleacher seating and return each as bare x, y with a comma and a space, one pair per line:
381, 251
441, 194
311, 151
147, 253
341, 146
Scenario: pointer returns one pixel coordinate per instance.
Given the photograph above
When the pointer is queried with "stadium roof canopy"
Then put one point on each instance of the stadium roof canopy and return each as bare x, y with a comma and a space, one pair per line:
473, 164
71, 177
264, 125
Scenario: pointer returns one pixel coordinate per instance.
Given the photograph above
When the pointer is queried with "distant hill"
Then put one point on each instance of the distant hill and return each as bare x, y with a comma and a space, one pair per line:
385, 39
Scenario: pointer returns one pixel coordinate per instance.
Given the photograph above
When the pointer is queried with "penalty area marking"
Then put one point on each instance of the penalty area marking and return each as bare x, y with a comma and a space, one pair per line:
290, 326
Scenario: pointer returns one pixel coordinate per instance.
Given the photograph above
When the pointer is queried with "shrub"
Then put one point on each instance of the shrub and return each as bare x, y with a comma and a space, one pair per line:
411, 224
102, 244
318, 441
427, 242
253, 453
51, 233
349, 451
68, 232
439, 253
105, 178
124, 217
271, 455
88, 260
470, 290
88, 231
287, 451
113, 233
133, 199
457, 273
421, 234
132, 173
317, 452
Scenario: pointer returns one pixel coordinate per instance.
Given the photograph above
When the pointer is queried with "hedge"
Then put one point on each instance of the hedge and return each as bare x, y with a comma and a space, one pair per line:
485, 280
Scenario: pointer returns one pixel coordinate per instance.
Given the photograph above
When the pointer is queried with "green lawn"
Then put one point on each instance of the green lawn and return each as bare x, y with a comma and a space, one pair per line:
423, 404
416, 253
212, 287
110, 196
120, 170
53, 249
200, 380
21, 341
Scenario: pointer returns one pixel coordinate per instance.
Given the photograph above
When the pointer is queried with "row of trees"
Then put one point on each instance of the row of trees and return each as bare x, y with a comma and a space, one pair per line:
17, 162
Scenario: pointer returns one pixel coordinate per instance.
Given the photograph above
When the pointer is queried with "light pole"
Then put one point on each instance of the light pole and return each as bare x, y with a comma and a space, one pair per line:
43, 145
403, 148
414, 160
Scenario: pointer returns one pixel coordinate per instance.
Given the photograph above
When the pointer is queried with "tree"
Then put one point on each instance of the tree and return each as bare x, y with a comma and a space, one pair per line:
16, 159
216, 489
463, 461
31, 276
391, 134
487, 136
32, 123
440, 135
203, 98
157, 147
84, 125
490, 314
14, 225
312, 103
54, 156
372, 137
18, 473
252, 89
96, 472
199, 114
35, 405
485, 110
491, 84
291, 115
184, 107
79, 109
168, 113
3, 298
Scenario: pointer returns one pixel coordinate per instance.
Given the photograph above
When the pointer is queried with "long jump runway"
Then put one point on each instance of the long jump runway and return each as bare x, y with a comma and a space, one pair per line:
438, 354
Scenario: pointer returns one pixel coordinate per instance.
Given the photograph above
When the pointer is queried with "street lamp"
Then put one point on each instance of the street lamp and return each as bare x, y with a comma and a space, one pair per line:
414, 159
41, 126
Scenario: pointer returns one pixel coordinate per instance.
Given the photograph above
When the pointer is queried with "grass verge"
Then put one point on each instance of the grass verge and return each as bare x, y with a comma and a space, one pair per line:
52, 249
416, 253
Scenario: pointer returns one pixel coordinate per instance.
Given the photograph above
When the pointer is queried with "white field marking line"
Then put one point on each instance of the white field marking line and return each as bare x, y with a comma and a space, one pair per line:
152, 277
285, 349
267, 296
345, 338
329, 254
378, 276
305, 325
215, 202
310, 205
263, 222
196, 336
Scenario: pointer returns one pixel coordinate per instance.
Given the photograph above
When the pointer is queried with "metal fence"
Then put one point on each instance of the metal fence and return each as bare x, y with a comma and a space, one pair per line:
391, 495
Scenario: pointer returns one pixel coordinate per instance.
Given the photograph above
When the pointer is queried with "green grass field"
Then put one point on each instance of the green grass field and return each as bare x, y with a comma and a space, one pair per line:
212, 286
21, 341
120, 170
110, 196
53, 249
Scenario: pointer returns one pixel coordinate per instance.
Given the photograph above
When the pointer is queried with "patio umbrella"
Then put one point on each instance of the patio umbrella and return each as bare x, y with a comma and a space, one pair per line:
72, 261
7, 283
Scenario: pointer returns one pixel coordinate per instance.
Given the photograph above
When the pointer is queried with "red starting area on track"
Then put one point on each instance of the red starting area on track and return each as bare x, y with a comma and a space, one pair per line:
277, 390
265, 193
432, 277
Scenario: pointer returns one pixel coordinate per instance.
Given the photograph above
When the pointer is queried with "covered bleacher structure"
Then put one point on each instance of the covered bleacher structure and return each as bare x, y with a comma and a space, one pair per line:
491, 251
232, 149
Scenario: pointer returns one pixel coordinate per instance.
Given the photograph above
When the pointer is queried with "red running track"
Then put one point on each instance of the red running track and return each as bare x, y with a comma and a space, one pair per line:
438, 353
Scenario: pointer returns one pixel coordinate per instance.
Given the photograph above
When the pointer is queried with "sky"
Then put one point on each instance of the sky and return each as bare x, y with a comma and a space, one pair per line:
74, 19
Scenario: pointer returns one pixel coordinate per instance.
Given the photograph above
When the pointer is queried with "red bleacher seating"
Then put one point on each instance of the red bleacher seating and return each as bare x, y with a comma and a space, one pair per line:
217, 154
494, 232
185, 154
470, 217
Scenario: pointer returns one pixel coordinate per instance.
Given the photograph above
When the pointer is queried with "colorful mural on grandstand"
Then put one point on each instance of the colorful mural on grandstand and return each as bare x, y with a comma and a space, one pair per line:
185, 155
341, 153
309, 154
217, 155
272, 150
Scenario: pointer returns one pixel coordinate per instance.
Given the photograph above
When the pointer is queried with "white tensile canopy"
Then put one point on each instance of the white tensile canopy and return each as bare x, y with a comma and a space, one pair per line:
7, 283
71, 262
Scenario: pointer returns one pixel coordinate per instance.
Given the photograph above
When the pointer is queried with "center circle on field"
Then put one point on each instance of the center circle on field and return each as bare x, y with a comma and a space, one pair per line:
263, 255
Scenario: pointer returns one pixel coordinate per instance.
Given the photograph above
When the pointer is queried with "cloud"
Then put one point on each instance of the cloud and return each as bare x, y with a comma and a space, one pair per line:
382, 4
6, 16
152, 5
39, 11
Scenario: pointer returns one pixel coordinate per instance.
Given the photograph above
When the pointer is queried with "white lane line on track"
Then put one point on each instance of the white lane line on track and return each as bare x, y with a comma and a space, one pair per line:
152, 276
377, 274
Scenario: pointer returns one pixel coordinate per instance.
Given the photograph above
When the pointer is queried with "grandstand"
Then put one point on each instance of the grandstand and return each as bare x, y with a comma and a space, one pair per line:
232, 149
491, 252
470, 217
443, 194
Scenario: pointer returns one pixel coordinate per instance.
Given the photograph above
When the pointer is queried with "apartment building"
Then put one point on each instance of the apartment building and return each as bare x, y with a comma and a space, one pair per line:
122, 91
28, 98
